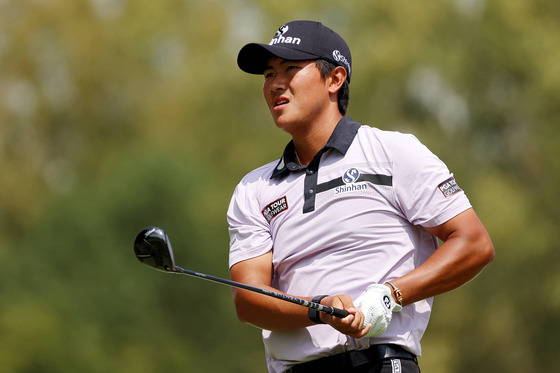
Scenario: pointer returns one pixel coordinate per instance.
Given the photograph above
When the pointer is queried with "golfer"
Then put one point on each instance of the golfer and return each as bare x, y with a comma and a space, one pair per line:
349, 217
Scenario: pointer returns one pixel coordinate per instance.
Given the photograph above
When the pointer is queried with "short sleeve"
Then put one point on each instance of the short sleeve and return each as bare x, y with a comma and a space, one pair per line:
425, 189
249, 231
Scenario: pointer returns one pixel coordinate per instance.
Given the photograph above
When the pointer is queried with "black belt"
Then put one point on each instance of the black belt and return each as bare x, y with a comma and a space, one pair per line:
355, 358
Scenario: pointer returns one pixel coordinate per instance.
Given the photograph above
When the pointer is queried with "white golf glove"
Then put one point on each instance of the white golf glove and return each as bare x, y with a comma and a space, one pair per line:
377, 305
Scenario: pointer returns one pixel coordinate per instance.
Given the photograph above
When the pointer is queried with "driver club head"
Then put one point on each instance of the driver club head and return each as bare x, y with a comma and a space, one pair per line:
152, 248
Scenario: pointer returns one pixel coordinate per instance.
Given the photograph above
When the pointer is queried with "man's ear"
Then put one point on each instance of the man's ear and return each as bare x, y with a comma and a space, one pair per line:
336, 79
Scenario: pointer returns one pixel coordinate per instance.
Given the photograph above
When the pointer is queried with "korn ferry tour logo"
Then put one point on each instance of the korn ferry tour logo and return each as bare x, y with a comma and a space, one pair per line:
279, 38
350, 180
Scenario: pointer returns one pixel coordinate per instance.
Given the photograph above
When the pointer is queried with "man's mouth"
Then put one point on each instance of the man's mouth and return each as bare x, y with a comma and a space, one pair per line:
280, 101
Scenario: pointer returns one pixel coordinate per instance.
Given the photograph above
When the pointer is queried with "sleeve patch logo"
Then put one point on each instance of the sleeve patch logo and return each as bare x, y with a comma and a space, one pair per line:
449, 187
275, 208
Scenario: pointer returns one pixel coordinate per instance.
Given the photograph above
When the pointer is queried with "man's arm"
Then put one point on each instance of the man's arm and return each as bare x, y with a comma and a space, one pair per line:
465, 251
274, 314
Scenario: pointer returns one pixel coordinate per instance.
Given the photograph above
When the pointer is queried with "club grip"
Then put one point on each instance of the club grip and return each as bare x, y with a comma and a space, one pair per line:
338, 312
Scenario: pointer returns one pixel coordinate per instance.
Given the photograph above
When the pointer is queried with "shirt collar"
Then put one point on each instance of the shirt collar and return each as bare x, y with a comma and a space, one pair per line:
340, 140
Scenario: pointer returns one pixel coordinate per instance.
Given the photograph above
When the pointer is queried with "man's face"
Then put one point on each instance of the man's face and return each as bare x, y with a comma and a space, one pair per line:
295, 93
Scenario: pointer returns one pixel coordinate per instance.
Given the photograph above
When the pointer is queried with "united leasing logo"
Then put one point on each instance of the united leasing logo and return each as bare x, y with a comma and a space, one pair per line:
350, 179
279, 38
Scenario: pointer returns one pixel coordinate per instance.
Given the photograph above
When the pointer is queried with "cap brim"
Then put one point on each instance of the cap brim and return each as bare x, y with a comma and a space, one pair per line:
253, 58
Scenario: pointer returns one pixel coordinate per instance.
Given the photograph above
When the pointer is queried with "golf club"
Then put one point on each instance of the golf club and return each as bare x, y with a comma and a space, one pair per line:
152, 248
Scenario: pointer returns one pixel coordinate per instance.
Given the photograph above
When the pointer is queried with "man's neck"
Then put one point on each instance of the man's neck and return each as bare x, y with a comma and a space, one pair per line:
314, 137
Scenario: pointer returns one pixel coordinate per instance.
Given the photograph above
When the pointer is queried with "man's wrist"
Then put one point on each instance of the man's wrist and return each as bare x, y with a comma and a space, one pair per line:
396, 293
315, 315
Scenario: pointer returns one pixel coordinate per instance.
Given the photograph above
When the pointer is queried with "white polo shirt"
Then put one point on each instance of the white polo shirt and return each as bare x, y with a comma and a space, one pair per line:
351, 218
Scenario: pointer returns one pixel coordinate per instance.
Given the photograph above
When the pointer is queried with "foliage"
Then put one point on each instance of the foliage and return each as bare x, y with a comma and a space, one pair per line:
117, 114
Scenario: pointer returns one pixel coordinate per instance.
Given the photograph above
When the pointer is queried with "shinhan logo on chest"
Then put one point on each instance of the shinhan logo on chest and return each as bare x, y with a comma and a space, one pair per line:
350, 188
350, 178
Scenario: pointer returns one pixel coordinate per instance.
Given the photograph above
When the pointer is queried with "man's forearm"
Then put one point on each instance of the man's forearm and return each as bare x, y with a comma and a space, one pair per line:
269, 313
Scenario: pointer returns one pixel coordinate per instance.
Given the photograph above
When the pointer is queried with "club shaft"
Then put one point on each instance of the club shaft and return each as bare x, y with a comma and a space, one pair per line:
302, 302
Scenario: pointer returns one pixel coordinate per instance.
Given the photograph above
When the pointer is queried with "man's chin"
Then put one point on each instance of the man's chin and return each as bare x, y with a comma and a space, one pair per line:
283, 124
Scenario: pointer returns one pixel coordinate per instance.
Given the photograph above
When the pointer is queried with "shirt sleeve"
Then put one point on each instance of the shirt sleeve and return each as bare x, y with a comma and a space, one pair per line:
249, 231
425, 189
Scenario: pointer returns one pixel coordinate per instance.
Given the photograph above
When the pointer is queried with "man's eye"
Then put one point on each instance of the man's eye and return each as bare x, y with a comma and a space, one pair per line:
292, 67
268, 75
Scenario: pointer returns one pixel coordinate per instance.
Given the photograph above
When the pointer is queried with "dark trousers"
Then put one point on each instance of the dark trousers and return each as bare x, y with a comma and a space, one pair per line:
385, 358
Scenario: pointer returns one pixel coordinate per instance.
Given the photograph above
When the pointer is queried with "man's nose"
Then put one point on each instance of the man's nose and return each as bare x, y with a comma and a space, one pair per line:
279, 82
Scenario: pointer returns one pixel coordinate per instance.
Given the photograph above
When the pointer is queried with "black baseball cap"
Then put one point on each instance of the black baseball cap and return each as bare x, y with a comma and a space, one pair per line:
297, 41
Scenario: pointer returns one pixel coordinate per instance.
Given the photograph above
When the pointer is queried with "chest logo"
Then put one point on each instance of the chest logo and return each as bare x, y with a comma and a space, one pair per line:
350, 176
351, 182
274, 208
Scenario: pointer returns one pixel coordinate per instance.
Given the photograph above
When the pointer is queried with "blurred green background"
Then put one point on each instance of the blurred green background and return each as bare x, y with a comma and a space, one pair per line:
119, 114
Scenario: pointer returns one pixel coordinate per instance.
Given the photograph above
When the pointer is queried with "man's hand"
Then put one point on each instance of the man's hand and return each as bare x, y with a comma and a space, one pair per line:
353, 325
377, 305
